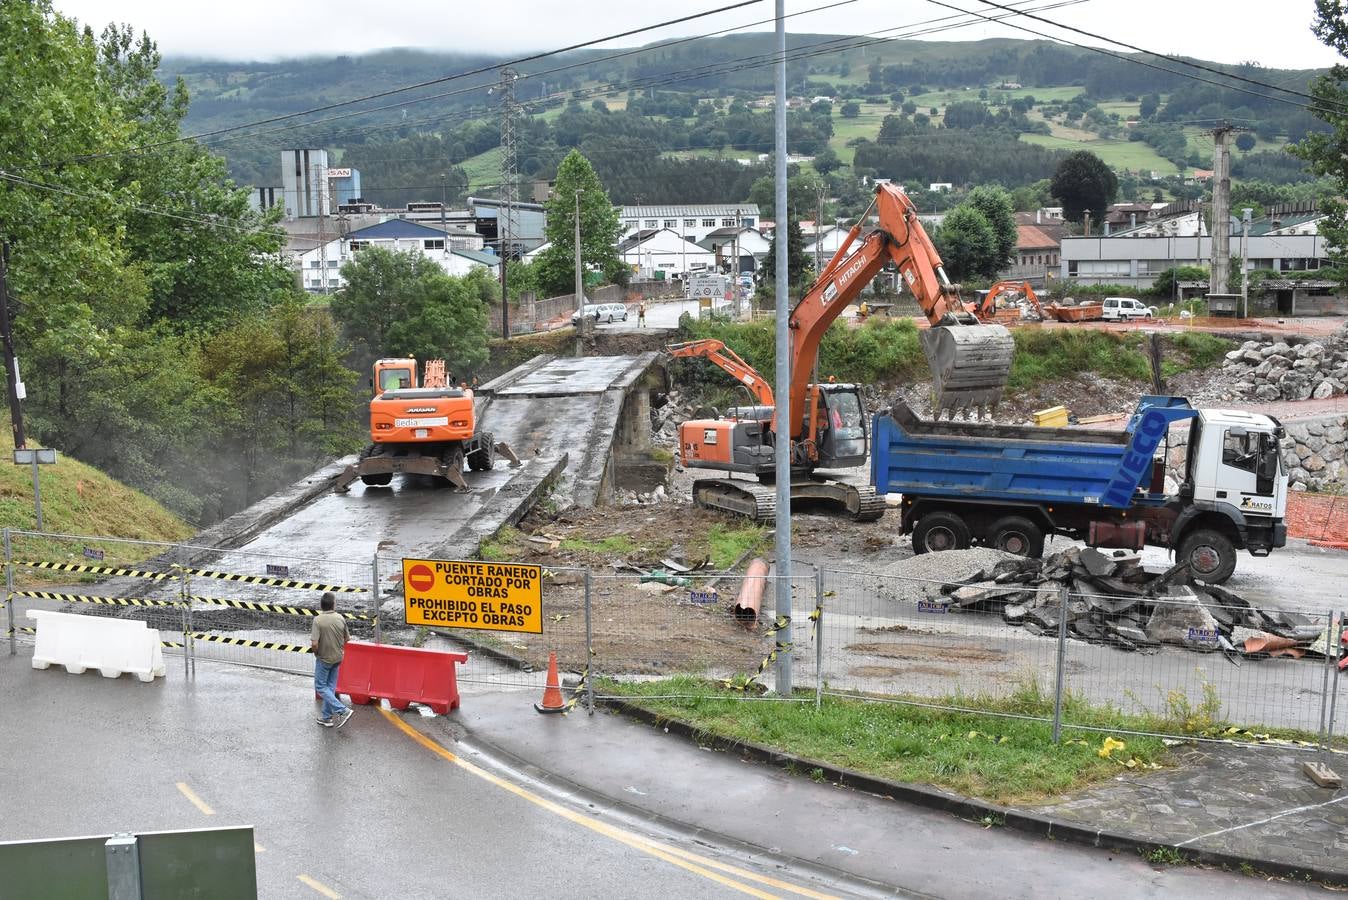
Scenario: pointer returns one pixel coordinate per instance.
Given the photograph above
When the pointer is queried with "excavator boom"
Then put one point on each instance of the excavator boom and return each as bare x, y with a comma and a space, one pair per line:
729, 361
970, 361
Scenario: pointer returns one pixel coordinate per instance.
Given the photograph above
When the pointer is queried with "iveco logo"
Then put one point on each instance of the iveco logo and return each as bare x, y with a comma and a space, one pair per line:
421, 409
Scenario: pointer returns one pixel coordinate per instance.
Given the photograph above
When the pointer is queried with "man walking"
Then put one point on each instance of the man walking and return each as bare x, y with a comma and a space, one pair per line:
328, 638
641, 314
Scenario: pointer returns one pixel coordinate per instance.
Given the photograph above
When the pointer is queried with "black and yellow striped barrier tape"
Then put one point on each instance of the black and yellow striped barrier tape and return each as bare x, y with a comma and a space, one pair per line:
814, 617
84, 598
745, 682
275, 608
579, 692
97, 570
21, 629
251, 644
273, 581
265, 580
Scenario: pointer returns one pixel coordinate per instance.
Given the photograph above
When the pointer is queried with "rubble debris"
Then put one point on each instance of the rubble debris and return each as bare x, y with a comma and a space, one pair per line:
1111, 599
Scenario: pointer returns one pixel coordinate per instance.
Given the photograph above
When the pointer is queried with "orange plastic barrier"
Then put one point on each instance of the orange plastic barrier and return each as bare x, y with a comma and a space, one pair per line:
400, 675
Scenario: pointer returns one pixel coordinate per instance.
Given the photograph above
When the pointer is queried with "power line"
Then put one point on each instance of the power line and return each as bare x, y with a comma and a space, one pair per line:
410, 87
1129, 59
1178, 59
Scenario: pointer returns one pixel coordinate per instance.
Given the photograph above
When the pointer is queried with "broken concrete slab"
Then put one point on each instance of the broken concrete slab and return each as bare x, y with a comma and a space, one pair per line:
1097, 564
1179, 618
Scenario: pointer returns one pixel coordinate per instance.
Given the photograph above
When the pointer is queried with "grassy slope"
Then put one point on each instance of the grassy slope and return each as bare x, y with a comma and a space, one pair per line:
79, 499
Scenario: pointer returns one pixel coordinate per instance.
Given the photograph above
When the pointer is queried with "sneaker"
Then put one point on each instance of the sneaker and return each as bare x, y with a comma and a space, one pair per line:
326, 723
341, 717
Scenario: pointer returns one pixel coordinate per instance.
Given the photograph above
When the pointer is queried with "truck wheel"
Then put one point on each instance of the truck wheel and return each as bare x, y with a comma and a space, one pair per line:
1018, 535
1210, 555
939, 531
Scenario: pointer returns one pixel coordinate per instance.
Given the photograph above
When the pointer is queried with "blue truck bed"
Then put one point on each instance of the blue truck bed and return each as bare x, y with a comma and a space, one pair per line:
1021, 464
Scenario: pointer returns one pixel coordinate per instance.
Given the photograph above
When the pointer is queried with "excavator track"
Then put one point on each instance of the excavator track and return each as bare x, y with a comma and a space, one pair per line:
759, 501
744, 498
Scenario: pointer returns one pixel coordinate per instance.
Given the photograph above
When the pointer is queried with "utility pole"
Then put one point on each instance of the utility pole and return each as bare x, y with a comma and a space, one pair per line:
735, 267
11, 364
444, 202
582, 320
782, 421
818, 218
1221, 210
1245, 262
510, 177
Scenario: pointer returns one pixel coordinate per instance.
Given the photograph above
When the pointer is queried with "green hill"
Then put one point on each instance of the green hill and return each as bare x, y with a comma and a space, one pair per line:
81, 500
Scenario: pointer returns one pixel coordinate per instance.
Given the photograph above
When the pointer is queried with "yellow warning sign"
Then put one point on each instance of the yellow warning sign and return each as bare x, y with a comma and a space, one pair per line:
470, 594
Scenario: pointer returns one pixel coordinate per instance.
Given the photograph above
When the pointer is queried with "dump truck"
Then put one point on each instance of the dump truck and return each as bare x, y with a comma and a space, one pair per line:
1010, 487
429, 428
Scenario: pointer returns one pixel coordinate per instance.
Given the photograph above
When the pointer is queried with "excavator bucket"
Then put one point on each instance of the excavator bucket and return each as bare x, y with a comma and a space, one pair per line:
970, 365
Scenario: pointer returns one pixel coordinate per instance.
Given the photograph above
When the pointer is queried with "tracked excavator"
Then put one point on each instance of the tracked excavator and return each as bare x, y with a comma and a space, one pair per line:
421, 429
826, 422
986, 308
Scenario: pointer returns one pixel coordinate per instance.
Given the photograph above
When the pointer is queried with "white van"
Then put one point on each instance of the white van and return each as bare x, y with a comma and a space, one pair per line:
1120, 308
602, 312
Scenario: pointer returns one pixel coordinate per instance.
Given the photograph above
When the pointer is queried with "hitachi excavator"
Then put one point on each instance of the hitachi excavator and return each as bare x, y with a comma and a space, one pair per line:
826, 423
426, 429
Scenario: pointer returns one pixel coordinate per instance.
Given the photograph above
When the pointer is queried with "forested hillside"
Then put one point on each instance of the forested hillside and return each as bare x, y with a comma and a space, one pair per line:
687, 122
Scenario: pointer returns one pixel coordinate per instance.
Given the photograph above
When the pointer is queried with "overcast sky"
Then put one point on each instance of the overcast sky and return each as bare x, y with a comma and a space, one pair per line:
1274, 34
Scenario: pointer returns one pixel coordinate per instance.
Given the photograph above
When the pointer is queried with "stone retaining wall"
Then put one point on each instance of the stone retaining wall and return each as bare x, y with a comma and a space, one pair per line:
1313, 452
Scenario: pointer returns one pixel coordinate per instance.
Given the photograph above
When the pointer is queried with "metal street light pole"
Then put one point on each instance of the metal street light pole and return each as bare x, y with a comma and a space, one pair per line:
782, 537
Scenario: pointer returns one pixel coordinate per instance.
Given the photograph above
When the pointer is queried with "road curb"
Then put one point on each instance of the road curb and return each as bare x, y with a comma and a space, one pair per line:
966, 807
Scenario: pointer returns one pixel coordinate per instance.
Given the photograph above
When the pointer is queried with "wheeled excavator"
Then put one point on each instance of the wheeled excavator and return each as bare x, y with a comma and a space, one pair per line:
426, 429
970, 363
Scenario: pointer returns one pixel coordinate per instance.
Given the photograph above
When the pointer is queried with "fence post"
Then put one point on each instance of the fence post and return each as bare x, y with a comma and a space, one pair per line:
589, 647
374, 587
818, 637
1334, 690
1324, 684
185, 602
1062, 665
9, 594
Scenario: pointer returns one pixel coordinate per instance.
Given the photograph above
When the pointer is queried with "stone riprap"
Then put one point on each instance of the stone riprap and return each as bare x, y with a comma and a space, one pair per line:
1280, 370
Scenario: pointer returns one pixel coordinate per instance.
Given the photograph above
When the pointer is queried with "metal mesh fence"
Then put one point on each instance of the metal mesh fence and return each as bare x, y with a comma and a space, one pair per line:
1186, 664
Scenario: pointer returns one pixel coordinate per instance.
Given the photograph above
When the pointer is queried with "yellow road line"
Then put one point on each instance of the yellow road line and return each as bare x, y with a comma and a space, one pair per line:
320, 887
196, 801
684, 859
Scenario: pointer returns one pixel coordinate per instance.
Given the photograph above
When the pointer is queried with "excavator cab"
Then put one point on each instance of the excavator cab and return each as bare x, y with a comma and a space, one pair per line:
841, 426
393, 375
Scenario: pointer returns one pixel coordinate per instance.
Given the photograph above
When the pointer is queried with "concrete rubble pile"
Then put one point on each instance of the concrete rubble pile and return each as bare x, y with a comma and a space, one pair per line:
1276, 370
1114, 600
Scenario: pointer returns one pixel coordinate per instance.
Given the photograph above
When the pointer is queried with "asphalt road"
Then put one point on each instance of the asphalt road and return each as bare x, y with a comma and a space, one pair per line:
497, 801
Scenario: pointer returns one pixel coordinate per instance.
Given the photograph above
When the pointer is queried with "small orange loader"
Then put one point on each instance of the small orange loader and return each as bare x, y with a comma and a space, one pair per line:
426, 429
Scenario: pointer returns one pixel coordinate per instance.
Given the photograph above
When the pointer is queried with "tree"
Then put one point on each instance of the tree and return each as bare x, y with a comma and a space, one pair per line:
599, 229
1148, 105
403, 304
826, 161
796, 263
1245, 142
850, 110
1326, 153
996, 206
967, 244
1083, 183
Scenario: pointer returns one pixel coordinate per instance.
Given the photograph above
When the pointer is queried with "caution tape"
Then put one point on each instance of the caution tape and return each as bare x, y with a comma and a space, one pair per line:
275, 608
272, 581
84, 598
580, 691
814, 617
20, 628
743, 683
266, 580
97, 570
254, 645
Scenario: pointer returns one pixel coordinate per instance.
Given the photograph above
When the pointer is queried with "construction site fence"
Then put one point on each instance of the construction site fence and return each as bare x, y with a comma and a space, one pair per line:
1075, 660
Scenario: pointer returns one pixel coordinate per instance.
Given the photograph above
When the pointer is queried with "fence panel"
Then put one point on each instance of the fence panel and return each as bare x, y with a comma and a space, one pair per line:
921, 641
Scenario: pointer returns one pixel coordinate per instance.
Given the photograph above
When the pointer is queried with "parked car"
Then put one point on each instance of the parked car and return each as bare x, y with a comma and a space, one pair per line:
602, 312
1122, 308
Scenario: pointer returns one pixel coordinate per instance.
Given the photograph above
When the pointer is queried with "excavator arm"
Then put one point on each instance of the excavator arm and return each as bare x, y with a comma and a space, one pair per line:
717, 352
986, 310
970, 361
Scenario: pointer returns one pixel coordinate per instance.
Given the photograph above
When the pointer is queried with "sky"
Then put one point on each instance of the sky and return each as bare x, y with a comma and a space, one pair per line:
1275, 35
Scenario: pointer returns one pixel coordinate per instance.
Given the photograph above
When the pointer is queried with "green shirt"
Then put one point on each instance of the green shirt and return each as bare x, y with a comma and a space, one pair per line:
330, 632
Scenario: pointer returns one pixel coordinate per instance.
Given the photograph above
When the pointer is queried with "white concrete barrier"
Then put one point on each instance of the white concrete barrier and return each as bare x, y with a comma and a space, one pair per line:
112, 646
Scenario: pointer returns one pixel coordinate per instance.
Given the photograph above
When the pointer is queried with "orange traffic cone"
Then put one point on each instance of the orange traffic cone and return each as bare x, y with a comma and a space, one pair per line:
552, 692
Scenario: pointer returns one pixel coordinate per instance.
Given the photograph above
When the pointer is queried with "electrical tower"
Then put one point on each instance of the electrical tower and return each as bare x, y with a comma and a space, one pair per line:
510, 176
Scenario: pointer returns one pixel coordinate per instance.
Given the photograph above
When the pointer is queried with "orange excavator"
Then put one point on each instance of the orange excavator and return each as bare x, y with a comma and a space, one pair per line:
986, 308
426, 429
826, 422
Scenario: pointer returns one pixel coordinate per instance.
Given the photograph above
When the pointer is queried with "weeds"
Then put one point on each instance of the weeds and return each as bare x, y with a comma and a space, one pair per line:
614, 544
1166, 856
502, 546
